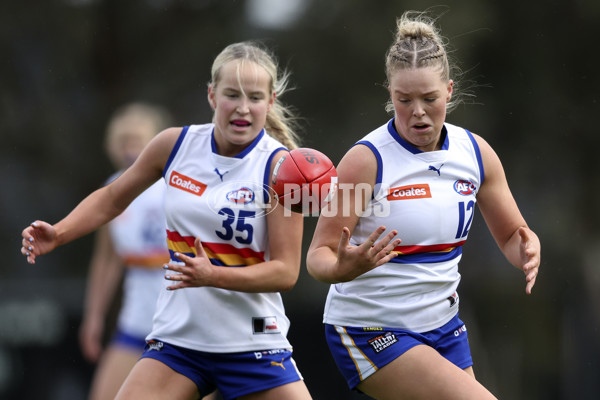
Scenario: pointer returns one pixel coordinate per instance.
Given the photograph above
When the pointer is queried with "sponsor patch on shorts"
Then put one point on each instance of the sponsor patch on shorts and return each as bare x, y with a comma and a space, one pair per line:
155, 345
383, 341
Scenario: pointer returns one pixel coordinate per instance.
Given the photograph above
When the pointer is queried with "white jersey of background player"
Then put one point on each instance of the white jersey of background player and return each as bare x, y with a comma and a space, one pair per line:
131, 247
139, 238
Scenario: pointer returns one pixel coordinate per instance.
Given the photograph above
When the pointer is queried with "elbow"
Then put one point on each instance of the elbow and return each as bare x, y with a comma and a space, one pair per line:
287, 287
314, 268
288, 277
312, 271
287, 283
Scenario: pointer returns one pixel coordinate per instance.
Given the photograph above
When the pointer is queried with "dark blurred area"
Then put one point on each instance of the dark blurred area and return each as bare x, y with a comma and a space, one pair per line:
533, 66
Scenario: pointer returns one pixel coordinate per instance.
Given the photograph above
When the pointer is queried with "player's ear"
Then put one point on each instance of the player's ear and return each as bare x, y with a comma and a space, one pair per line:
450, 86
211, 97
271, 101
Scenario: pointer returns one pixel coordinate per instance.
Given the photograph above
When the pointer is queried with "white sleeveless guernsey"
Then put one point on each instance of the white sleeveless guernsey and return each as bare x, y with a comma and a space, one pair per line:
429, 198
139, 238
222, 201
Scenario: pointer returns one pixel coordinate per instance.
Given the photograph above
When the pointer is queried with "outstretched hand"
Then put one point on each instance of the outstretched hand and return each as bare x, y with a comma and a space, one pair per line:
354, 261
530, 257
38, 238
197, 271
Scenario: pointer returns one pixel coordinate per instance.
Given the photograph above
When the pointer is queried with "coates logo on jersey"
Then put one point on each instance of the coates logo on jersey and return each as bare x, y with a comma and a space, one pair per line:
241, 196
417, 191
186, 183
464, 188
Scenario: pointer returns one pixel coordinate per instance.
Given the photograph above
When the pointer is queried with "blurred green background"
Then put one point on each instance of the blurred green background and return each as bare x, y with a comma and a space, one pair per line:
65, 65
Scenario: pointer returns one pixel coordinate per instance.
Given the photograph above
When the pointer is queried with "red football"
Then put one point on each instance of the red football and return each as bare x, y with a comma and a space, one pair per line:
303, 180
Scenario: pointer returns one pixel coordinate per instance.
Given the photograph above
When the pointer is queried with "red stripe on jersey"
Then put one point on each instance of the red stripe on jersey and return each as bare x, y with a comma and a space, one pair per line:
414, 249
227, 253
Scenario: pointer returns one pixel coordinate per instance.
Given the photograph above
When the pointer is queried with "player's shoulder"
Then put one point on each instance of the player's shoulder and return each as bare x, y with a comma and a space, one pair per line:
380, 135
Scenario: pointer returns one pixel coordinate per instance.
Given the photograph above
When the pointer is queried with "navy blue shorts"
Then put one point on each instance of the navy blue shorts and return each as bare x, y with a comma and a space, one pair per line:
234, 374
123, 339
360, 352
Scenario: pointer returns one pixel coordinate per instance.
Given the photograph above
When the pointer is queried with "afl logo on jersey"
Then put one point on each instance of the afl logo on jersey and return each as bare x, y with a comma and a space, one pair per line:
241, 196
464, 188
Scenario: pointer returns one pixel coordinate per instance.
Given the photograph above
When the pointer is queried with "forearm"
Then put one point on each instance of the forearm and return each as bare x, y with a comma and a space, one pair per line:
93, 212
321, 263
268, 276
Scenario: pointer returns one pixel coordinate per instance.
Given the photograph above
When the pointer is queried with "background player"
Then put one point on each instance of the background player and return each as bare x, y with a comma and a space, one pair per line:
131, 249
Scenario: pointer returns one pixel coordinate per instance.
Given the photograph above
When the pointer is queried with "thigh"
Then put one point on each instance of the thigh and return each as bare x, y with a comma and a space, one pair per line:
422, 373
152, 380
291, 391
114, 366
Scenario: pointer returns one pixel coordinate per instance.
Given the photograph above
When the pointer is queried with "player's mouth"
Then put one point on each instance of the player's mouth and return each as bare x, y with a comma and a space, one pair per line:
240, 123
421, 127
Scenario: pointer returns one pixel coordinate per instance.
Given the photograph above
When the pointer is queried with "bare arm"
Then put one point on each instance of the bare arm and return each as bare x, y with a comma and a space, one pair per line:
104, 276
104, 204
331, 258
280, 273
519, 244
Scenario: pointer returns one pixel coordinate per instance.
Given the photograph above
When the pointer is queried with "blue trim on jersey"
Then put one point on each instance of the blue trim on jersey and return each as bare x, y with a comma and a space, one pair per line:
377, 156
446, 143
175, 259
478, 154
243, 153
175, 149
266, 183
427, 257
213, 261
394, 133
219, 263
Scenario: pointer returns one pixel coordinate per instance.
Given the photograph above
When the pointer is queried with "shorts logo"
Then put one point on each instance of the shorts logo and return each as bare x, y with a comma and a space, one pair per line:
265, 325
280, 364
464, 188
241, 196
155, 345
186, 183
382, 342
417, 191
460, 330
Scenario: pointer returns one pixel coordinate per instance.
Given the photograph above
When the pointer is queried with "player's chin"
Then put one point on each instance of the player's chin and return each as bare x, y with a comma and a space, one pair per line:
242, 136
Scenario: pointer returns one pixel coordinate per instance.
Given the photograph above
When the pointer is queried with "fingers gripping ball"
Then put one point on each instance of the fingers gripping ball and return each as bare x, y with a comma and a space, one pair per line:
305, 180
